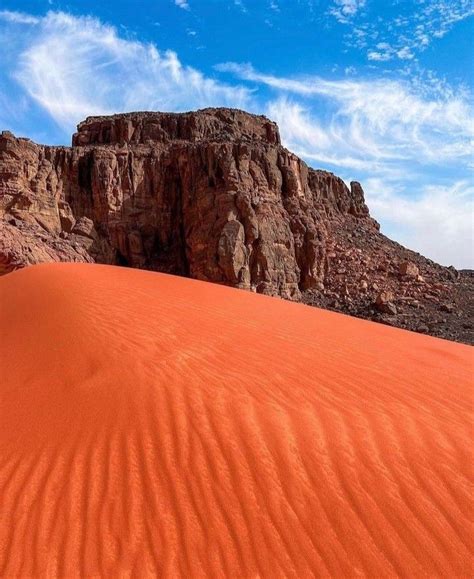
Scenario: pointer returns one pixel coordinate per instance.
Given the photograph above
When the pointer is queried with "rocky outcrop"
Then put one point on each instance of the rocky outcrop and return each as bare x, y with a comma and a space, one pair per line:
210, 194
154, 127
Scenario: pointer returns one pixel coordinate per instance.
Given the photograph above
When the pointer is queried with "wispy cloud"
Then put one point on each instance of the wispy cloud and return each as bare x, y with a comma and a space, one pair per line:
439, 16
77, 66
408, 33
344, 10
18, 17
384, 51
182, 4
369, 120
391, 134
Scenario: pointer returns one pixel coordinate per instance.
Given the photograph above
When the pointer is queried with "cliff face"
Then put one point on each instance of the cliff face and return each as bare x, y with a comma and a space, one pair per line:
211, 195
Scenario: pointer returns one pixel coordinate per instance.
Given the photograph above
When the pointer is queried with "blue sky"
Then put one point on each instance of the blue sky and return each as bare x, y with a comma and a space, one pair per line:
377, 91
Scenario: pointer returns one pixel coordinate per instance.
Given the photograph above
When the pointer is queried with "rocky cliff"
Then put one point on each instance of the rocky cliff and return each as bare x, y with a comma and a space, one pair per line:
213, 195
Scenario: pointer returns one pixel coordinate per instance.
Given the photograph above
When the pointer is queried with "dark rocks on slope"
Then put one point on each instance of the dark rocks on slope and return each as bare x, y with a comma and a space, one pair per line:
213, 195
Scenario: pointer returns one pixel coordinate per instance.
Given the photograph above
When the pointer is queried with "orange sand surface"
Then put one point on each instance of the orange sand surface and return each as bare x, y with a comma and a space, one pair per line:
157, 426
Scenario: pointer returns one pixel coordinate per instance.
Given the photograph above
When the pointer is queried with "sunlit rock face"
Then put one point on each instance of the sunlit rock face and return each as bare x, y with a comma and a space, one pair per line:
211, 195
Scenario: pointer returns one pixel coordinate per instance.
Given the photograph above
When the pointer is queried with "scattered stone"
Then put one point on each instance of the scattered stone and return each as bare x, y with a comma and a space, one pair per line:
453, 273
422, 329
384, 297
384, 304
388, 308
408, 269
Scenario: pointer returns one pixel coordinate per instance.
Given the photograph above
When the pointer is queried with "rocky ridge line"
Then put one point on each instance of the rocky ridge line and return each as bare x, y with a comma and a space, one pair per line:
213, 195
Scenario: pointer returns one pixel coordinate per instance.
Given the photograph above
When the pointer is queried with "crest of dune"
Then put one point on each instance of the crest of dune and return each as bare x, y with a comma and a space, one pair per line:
153, 425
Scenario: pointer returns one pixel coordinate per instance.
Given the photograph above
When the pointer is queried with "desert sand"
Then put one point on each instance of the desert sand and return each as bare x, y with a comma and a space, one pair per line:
154, 425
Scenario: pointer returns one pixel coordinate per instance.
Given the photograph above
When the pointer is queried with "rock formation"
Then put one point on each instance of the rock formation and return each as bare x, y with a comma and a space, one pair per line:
213, 195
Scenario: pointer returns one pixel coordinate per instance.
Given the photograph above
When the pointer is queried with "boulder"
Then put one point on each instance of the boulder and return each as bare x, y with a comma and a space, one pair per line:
384, 302
408, 269
85, 227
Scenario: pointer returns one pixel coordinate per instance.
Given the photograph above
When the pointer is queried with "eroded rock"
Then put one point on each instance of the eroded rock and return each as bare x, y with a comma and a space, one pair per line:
409, 269
212, 195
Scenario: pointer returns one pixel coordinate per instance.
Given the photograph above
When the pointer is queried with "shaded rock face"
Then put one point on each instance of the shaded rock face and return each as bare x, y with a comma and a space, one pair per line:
210, 194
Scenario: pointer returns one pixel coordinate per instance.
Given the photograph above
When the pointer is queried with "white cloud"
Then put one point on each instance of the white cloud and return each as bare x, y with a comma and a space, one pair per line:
77, 66
378, 56
407, 34
369, 120
384, 52
439, 16
182, 4
405, 53
18, 17
308, 138
344, 10
437, 222
393, 135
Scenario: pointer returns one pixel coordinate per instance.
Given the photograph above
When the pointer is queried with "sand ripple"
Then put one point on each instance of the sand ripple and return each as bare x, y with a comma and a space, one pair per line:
157, 426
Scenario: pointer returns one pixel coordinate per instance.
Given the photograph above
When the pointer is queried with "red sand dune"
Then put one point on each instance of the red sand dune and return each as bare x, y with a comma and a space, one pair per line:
154, 425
